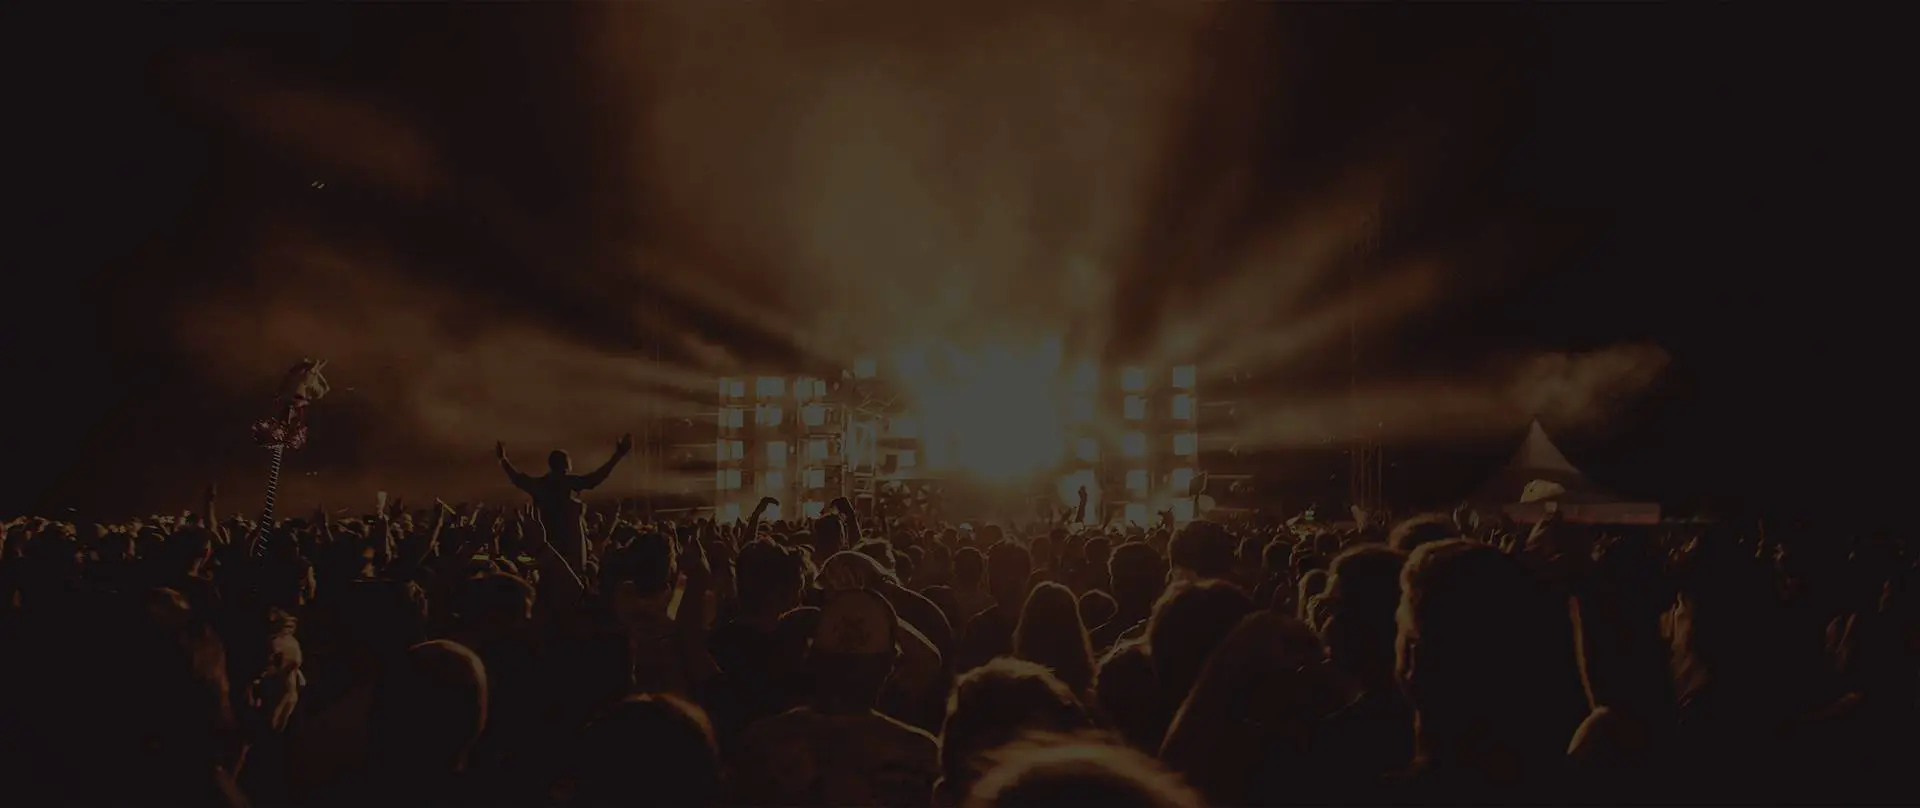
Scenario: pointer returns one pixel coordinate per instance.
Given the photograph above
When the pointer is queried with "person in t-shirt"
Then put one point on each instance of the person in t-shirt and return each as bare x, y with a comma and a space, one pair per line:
557, 495
838, 749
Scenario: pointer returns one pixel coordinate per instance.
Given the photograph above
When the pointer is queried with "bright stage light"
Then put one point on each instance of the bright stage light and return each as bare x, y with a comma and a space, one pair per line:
730, 480
1133, 444
1183, 406
906, 458
766, 415
770, 386
1183, 510
814, 414
818, 449
1080, 409
777, 454
732, 417
773, 483
1137, 481
1181, 480
816, 478
1185, 376
730, 512
811, 508
1136, 408
996, 412
1133, 380
1086, 377
809, 389
1186, 444
865, 369
772, 514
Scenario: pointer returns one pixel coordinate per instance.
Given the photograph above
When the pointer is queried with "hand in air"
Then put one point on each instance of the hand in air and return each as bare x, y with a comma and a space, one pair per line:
625, 444
500, 449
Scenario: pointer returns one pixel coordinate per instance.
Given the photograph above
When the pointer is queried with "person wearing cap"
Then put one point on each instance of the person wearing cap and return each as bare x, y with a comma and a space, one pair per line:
838, 749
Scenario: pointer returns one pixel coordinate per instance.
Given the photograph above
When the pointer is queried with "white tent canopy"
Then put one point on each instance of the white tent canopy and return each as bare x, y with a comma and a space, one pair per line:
1540, 474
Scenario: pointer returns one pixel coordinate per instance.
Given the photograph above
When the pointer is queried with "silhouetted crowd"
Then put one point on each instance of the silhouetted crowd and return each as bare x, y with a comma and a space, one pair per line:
448, 656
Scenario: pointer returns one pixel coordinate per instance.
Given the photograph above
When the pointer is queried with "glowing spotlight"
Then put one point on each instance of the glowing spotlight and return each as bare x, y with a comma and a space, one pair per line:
1137, 481
733, 417
769, 386
773, 513
865, 369
1133, 380
1186, 444
811, 508
816, 478
730, 512
1183, 510
1086, 376
767, 415
774, 482
1183, 407
1136, 408
1134, 444
1080, 410
818, 450
808, 389
814, 414
1185, 376
729, 480
1181, 480
777, 454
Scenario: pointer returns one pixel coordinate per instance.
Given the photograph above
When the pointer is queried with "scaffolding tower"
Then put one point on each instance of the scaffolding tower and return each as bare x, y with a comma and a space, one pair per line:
1364, 480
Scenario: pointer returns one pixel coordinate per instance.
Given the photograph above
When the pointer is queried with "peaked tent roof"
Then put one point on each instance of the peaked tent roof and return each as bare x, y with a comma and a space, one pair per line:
1538, 452
1538, 459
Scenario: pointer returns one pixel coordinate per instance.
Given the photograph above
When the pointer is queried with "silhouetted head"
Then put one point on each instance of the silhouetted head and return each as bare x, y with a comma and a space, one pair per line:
855, 645
429, 710
1079, 773
995, 704
649, 750
1486, 652
1410, 534
1050, 633
559, 463
1188, 622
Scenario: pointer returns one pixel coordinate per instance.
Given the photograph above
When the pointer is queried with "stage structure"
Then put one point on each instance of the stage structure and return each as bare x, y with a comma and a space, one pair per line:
1133, 437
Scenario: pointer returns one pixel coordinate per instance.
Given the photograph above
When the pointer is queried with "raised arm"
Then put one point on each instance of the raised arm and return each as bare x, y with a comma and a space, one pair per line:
594, 478
519, 480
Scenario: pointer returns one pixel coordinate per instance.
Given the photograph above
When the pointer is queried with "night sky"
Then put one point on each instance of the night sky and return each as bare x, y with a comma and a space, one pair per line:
1712, 180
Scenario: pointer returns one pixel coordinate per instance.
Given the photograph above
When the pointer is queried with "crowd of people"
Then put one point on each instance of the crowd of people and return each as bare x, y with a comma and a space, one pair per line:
552, 654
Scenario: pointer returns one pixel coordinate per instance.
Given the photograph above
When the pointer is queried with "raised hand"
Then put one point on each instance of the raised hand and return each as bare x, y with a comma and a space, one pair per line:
500, 450
625, 444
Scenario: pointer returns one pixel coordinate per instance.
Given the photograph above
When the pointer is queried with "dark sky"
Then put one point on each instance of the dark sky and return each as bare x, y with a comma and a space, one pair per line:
1711, 179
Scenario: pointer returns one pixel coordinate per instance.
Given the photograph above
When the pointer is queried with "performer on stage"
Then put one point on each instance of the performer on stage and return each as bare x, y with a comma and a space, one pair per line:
557, 495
